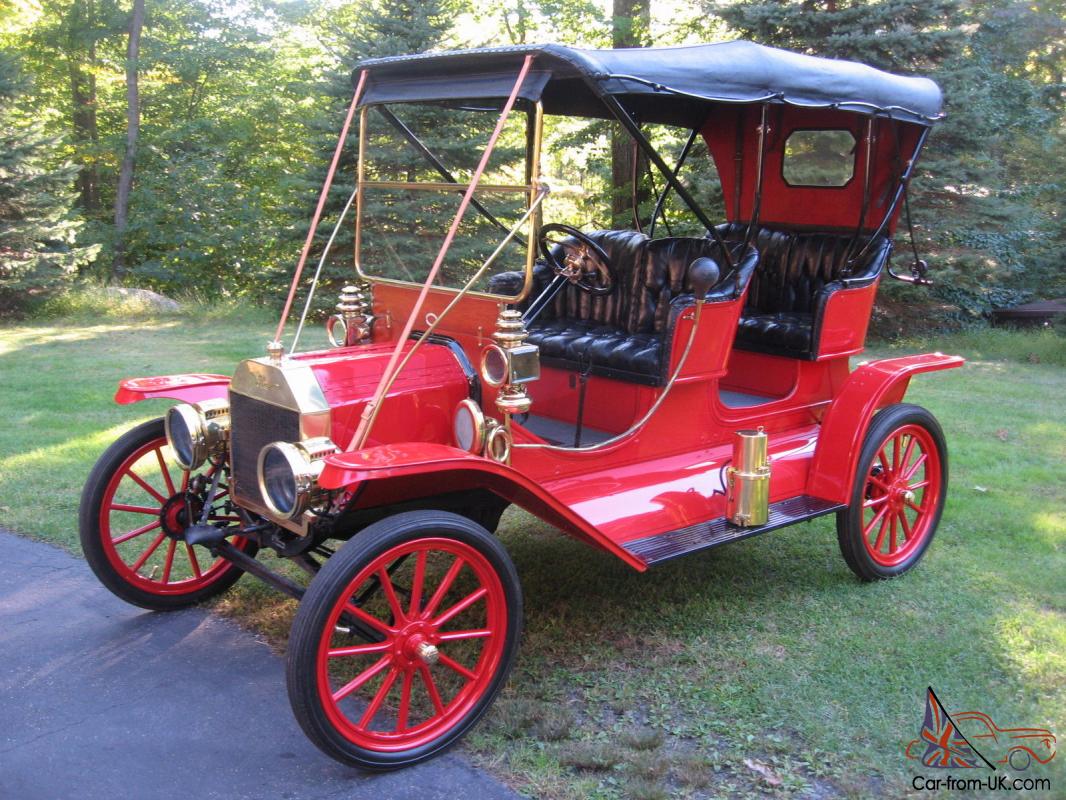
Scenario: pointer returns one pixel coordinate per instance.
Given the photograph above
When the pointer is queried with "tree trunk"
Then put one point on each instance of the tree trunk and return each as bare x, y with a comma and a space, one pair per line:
82, 71
133, 127
630, 28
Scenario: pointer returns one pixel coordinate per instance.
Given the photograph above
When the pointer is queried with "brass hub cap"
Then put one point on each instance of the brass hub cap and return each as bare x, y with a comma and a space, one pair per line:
414, 647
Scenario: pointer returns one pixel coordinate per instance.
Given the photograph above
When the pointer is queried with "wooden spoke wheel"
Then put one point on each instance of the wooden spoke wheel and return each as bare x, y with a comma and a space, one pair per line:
403, 639
134, 510
899, 491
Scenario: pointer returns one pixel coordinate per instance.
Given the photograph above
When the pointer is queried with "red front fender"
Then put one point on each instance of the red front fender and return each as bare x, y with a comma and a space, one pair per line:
397, 472
869, 388
191, 388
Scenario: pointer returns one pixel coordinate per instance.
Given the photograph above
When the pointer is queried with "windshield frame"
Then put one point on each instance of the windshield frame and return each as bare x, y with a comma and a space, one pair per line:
532, 188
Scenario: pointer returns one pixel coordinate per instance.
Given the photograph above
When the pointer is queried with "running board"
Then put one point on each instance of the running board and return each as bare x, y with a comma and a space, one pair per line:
665, 546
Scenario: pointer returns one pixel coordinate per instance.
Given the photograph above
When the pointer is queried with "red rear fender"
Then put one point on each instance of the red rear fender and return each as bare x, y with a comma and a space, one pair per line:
191, 388
397, 472
871, 387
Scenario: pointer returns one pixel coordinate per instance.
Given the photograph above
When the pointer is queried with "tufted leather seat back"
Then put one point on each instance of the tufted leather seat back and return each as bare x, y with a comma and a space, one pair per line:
795, 267
665, 276
648, 275
626, 251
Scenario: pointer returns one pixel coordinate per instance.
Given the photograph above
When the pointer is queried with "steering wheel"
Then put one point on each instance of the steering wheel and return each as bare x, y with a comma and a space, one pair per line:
585, 264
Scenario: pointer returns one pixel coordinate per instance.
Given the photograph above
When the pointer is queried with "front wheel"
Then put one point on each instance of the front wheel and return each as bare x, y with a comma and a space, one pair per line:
403, 639
898, 496
133, 514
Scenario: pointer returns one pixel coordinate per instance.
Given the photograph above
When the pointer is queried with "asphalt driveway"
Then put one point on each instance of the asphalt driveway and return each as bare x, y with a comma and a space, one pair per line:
99, 699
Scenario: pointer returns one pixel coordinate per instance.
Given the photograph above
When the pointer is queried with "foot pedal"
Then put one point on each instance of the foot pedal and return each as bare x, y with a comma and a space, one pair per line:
205, 535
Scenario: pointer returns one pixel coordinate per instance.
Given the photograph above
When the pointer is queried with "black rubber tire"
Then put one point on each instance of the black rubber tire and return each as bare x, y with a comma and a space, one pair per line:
90, 535
321, 595
849, 519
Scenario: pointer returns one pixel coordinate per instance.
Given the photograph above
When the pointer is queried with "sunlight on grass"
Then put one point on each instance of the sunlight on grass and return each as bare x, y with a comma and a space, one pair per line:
88, 446
1033, 639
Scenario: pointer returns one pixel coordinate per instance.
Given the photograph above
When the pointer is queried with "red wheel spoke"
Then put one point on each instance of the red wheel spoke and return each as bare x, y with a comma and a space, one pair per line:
917, 508
169, 564
881, 534
877, 518
369, 619
390, 595
133, 534
405, 701
875, 501
359, 649
892, 533
905, 523
145, 485
455, 636
134, 509
379, 698
148, 553
461, 606
897, 443
878, 483
911, 441
431, 687
455, 665
416, 583
445, 585
882, 455
361, 678
166, 471
192, 561
914, 467
918, 485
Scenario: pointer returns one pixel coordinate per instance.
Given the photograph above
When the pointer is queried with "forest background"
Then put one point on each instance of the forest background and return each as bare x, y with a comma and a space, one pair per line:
179, 145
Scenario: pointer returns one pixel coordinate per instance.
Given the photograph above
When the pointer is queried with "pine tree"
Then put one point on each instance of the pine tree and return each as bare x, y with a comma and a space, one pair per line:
38, 229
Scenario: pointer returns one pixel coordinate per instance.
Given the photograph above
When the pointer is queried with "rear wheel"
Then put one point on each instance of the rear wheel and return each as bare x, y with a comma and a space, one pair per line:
899, 491
134, 510
403, 639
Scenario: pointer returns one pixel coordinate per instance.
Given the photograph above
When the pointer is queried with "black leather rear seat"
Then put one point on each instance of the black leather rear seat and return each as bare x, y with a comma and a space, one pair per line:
797, 273
626, 333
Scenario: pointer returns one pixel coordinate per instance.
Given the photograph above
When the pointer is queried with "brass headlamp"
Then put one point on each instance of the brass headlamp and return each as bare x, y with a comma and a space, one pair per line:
288, 475
197, 431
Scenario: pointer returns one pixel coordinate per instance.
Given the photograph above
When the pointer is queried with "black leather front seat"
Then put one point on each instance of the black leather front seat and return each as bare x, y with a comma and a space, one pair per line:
625, 334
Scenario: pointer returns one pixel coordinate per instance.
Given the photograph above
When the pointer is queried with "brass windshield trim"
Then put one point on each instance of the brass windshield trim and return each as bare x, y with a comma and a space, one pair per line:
531, 190
444, 186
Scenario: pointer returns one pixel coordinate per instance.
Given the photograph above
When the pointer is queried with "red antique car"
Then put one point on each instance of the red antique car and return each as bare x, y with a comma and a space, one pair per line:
654, 382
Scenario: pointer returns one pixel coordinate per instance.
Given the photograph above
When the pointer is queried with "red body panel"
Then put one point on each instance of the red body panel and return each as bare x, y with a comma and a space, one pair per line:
798, 206
844, 321
191, 388
870, 387
394, 470
418, 407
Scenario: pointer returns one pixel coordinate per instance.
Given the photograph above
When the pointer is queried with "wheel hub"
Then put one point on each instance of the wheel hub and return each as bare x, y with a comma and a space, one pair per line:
178, 513
414, 648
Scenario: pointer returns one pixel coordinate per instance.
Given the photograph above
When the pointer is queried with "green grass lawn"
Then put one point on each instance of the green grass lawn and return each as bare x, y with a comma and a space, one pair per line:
763, 667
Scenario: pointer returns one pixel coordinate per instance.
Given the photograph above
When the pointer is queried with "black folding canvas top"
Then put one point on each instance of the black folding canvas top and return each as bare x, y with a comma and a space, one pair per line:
658, 84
